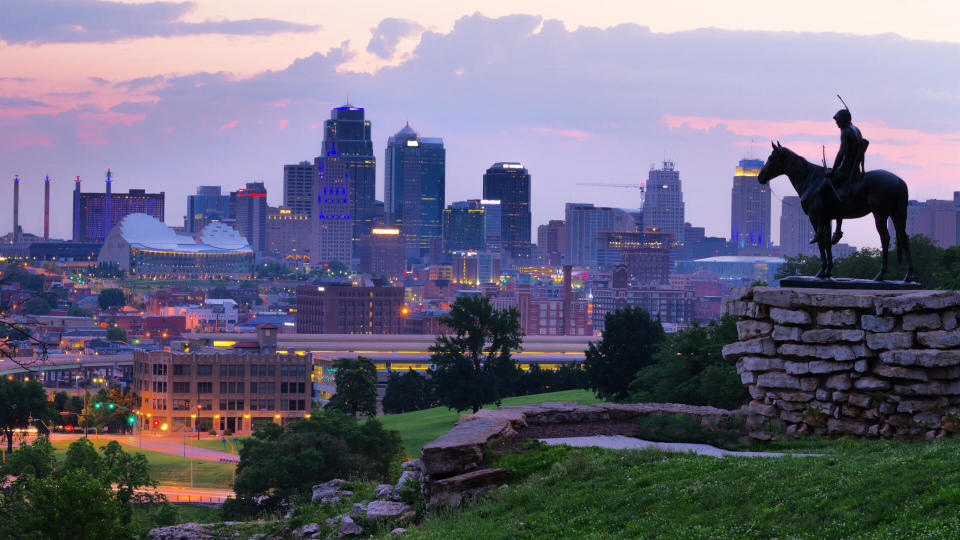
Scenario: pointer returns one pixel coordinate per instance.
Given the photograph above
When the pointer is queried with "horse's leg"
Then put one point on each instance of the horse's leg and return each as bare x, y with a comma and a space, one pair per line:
838, 234
881, 221
903, 243
828, 247
822, 236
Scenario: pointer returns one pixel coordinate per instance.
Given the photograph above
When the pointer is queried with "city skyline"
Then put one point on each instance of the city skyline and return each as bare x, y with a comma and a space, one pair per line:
692, 101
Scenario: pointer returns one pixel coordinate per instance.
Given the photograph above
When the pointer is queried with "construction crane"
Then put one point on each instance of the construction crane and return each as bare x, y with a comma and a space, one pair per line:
641, 186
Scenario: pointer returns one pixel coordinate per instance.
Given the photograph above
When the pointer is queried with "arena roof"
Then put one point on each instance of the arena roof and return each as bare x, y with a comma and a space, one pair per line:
148, 233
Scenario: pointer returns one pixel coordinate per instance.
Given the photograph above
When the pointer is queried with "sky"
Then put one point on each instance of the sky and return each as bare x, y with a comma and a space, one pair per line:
172, 95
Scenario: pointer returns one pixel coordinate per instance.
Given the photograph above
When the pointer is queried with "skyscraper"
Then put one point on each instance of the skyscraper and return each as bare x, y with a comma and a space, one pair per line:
298, 187
249, 206
795, 229
93, 213
552, 242
463, 226
414, 189
492, 224
937, 219
510, 184
750, 208
583, 225
663, 206
206, 206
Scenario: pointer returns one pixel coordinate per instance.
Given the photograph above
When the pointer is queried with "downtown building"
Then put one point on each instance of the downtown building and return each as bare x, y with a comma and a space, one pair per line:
464, 226
796, 231
249, 205
663, 208
342, 204
676, 307
382, 253
509, 183
298, 187
335, 308
415, 187
205, 207
937, 219
583, 223
750, 210
288, 236
551, 242
94, 214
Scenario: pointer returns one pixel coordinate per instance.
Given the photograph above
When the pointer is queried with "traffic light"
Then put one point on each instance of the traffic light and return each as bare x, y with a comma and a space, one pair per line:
98, 405
131, 419
111, 406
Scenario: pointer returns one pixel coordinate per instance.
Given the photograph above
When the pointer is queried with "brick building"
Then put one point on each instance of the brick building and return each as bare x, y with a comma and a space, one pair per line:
345, 309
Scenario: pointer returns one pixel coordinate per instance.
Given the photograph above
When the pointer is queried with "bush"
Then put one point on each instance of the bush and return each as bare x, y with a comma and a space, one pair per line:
677, 428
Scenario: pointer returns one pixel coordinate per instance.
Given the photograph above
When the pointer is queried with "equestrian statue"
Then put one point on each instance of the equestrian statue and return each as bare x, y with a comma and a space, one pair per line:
846, 191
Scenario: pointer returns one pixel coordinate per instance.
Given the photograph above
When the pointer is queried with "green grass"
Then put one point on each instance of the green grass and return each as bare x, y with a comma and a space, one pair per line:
861, 489
169, 469
420, 427
216, 444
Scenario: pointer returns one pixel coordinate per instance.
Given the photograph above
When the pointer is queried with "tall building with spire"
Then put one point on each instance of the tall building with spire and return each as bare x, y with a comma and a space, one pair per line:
750, 209
663, 207
342, 209
510, 184
415, 188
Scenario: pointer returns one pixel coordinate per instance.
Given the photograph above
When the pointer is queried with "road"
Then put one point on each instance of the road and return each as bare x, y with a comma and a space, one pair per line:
167, 445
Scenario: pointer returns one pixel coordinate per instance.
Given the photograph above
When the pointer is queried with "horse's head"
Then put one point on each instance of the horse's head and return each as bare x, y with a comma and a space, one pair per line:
775, 164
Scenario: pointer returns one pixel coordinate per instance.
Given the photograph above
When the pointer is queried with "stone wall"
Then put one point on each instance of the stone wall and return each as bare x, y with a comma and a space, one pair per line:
854, 363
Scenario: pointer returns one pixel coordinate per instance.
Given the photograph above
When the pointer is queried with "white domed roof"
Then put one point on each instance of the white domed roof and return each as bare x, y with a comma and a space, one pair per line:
147, 231
223, 236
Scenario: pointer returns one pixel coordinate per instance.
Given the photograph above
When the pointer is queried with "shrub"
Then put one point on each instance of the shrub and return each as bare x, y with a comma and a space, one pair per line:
678, 428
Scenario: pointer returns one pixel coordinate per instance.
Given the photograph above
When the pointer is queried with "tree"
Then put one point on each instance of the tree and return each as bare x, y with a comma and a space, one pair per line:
629, 340
77, 311
279, 462
356, 380
689, 368
115, 333
948, 273
18, 403
407, 392
38, 305
473, 366
109, 298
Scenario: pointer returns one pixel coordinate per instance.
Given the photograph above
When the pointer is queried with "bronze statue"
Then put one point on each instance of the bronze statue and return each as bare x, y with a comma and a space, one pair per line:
877, 192
848, 166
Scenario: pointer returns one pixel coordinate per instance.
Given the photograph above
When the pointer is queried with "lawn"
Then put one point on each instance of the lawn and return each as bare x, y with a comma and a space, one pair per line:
217, 444
420, 427
861, 489
174, 470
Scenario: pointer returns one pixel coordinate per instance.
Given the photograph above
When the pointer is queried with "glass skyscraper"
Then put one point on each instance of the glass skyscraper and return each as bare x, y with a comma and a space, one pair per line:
663, 206
749, 208
510, 184
463, 226
208, 205
415, 186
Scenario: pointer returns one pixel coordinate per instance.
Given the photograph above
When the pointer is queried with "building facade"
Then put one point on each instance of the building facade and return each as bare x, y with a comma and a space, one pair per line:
288, 236
552, 241
344, 309
938, 220
207, 206
750, 209
583, 225
509, 183
415, 187
464, 226
298, 187
94, 214
796, 231
249, 206
663, 207
383, 253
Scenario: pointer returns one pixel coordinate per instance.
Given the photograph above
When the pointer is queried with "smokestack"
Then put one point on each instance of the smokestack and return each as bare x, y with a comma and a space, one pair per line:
107, 207
46, 208
16, 209
567, 298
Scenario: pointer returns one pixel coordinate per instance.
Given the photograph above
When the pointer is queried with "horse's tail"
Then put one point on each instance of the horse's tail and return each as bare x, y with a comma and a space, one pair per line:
900, 220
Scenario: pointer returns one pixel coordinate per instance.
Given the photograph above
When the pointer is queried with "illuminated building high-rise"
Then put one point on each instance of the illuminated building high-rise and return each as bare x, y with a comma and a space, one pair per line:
510, 184
750, 208
249, 207
663, 207
463, 226
414, 188
93, 213
298, 187
207, 206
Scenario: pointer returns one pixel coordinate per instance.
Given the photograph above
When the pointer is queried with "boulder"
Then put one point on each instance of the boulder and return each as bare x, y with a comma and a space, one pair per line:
915, 301
890, 340
840, 317
183, 531
348, 527
939, 339
461, 448
786, 333
749, 329
917, 321
386, 492
409, 476
327, 490
308, 531
763, 346
385, 510
789, 316
398, 531
778, 380
873, 323
451, 491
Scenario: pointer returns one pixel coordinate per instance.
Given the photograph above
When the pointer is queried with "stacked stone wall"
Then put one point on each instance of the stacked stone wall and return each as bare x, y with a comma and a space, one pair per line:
880, 364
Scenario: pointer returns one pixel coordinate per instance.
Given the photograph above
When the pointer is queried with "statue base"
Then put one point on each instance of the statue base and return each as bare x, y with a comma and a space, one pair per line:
810, 282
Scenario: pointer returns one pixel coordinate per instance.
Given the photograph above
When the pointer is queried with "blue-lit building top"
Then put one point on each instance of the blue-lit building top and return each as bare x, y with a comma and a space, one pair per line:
415, 186
750, 208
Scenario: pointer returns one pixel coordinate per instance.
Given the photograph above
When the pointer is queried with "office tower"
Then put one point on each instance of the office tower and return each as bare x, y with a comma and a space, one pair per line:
583, 225
646, 254
249, 206
93, 211
551, 241
382, 253
510, 184
298, 187
492, 224
344, 177
46, 208
16, 209
663, 206
795, 229
414, 188
207, 206
288, 235
936, 219
750, 209
342, 309
463, 226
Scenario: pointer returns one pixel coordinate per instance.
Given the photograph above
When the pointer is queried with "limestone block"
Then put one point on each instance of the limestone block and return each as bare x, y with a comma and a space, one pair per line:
860, 350
873, 323
786, 333
900, 372
831, 335
840, 397
790, 405
763, 346
385, 510
791, 416
747, 310
890, 340
763, 409
789, 316
840, 353
861, 366
796, 368
837, 317
774, 296
741, 293
748, 329
846, 426
826, 366
778, 380
922, 357
452, 491
935, 388
831, 299
748, 377
915, 321
809, 384
801, 397
759, 363
461, 448
755, 392
928, 419
822, 395
840, 381
917, 300
948, 320
939, 339
871, 383
944, 373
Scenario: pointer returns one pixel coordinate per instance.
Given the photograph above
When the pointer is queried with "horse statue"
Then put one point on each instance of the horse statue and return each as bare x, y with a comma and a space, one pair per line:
876, 192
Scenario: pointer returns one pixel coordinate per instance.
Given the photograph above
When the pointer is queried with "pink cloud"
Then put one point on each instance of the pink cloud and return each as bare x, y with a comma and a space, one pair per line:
229, 125
569, 133
278, 104
283, 123
314, 126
